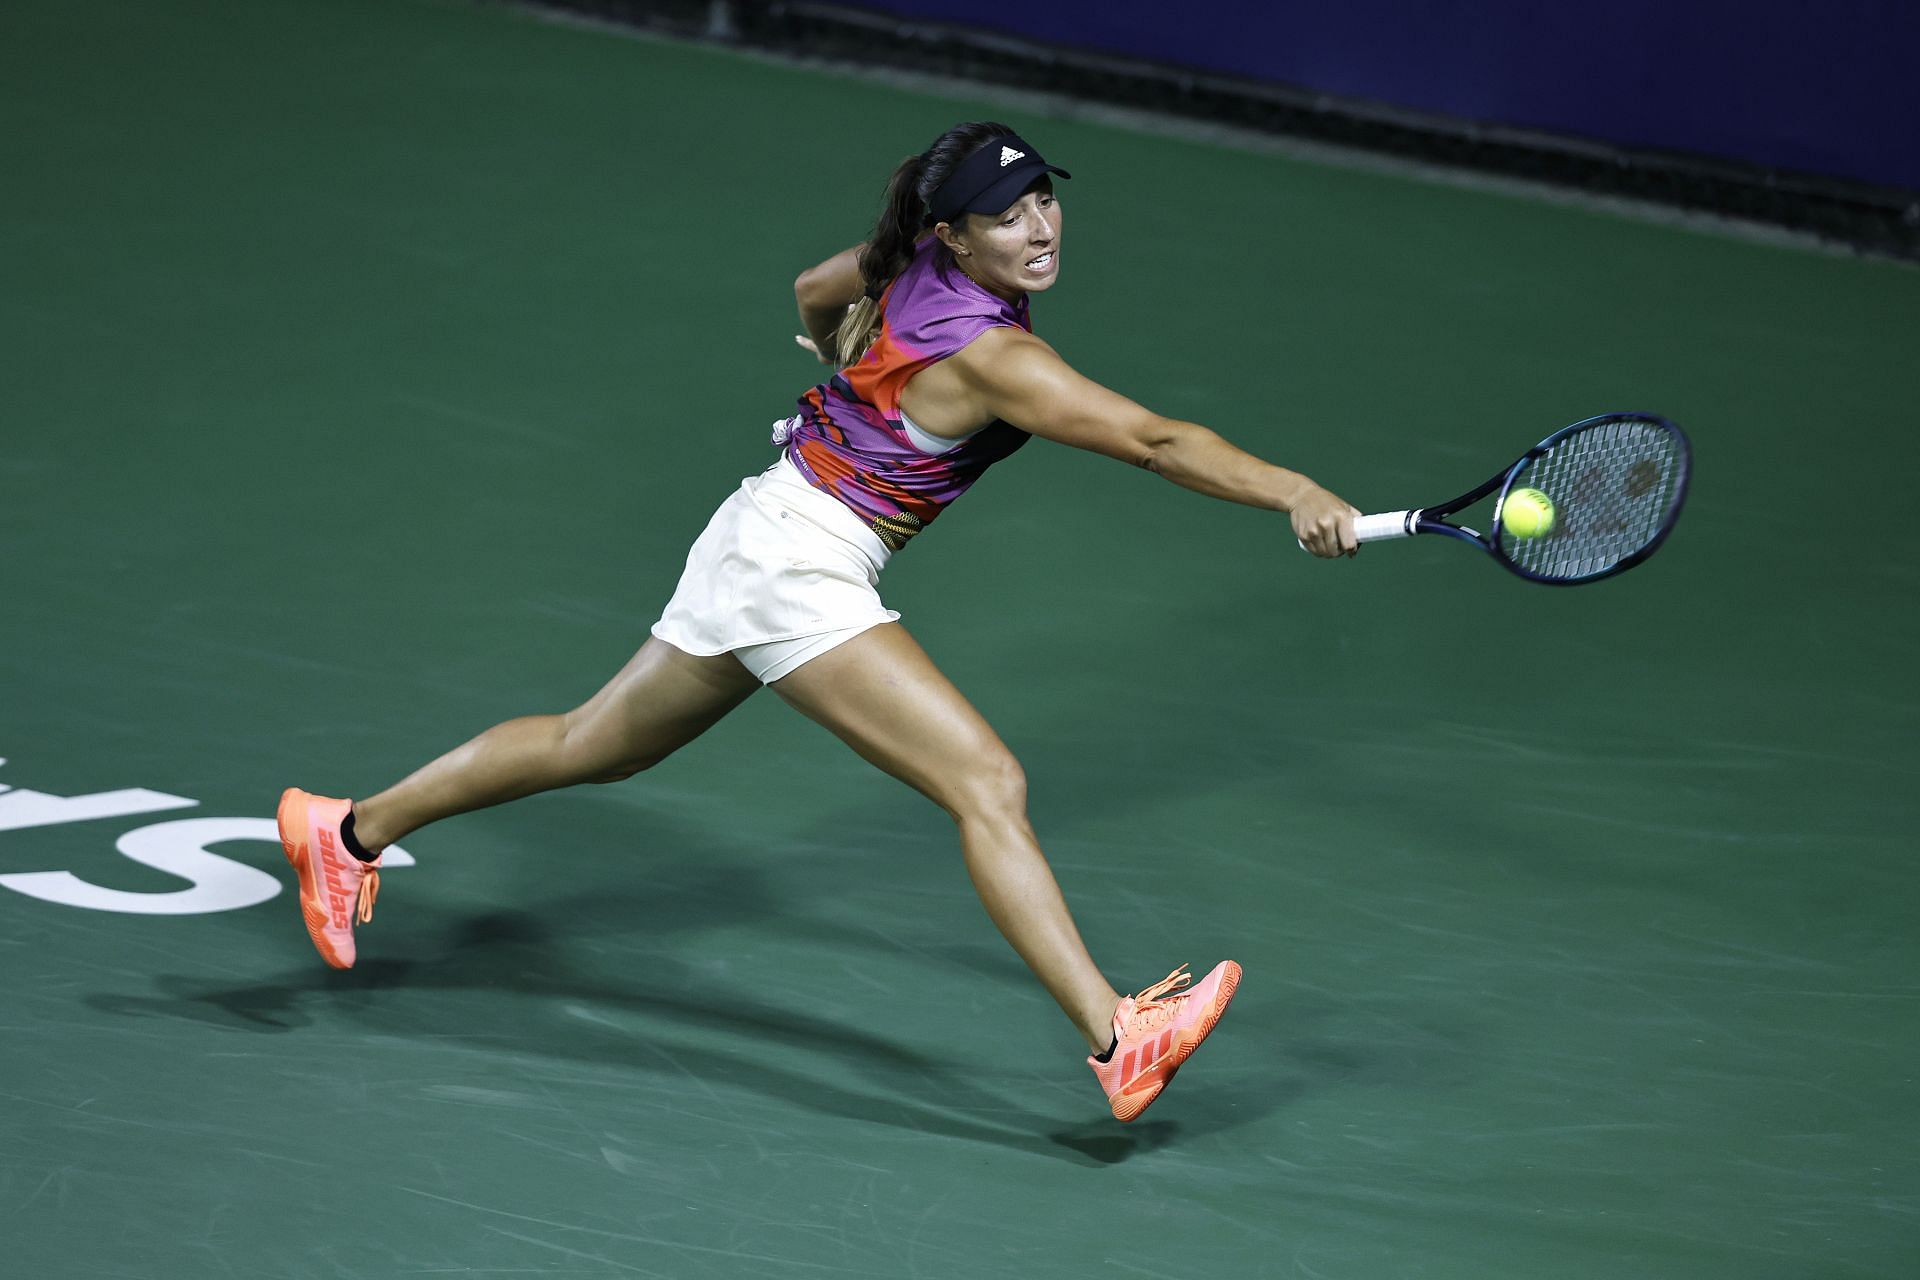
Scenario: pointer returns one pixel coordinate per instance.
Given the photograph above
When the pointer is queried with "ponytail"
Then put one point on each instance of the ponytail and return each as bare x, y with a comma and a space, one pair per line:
903, 220
857, 331
886, 254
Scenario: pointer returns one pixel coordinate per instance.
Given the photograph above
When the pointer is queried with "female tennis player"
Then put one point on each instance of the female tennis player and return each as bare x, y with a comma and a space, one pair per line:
938, 376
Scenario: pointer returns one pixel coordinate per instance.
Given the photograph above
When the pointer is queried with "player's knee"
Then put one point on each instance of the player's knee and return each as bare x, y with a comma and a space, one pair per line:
591, 757
624, 767
992, 783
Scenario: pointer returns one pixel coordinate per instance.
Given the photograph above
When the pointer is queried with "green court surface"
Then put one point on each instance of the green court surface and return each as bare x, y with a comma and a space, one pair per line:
369, 367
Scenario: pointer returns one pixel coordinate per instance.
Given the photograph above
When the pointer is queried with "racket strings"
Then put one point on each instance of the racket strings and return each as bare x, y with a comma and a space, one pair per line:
1614, 487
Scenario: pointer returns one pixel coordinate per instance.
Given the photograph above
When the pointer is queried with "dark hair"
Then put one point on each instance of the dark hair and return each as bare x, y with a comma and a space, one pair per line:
904, 216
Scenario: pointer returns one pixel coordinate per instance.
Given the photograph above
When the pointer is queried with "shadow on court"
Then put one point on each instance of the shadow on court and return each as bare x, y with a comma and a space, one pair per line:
677, 1022
653, 1028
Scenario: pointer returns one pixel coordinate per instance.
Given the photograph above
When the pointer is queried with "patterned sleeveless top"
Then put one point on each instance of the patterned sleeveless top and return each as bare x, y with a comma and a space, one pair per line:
851, 438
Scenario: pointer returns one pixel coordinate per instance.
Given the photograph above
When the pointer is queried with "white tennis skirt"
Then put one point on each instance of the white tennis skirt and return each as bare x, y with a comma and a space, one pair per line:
782, 574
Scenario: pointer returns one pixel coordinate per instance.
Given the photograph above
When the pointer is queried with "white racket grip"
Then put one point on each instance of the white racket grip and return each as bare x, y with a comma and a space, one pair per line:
1388, 524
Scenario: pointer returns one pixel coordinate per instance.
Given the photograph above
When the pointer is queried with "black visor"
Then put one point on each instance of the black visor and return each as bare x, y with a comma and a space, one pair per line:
990, 179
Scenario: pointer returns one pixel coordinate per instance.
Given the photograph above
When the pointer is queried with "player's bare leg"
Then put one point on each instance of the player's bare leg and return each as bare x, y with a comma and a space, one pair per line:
661, 700
883, 696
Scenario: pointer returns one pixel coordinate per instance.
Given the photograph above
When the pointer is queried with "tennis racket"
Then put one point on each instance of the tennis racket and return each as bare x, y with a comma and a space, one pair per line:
1617, 483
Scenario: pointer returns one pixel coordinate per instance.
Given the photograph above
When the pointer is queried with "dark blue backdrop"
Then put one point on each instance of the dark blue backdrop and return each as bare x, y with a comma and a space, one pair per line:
1828, 88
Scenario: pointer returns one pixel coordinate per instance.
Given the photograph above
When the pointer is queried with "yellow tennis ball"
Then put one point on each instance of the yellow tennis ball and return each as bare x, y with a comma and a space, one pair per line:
1527, 513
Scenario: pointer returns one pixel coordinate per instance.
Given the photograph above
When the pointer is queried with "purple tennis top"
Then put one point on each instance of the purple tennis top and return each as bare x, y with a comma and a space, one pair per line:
852, 440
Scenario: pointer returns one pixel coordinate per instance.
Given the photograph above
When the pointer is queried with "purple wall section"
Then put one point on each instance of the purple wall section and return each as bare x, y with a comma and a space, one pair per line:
1830, 88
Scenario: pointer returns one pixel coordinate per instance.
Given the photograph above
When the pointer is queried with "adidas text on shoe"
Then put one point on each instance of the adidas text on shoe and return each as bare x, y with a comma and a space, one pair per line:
337, 890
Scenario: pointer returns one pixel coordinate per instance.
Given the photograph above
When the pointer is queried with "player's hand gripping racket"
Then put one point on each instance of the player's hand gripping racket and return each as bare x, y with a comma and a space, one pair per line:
1613, 487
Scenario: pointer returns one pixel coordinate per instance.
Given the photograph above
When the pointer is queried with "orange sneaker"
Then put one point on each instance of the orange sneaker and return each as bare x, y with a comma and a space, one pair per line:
1156, 1031
336, 888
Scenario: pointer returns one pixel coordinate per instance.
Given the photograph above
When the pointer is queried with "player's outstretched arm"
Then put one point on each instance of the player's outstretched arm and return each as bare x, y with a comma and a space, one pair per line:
1019, 378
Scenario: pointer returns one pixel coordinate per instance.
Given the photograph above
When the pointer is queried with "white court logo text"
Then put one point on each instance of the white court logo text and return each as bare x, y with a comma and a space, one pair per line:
179, 847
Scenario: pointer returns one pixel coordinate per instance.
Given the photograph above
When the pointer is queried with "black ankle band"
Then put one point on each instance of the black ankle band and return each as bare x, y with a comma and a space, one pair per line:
1108, 1055
353, 844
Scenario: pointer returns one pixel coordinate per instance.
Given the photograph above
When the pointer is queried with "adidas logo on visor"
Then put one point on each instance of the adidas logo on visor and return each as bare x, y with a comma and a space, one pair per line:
1008, 155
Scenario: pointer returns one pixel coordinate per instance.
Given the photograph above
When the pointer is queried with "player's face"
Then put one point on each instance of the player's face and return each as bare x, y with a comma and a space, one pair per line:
1018, 249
